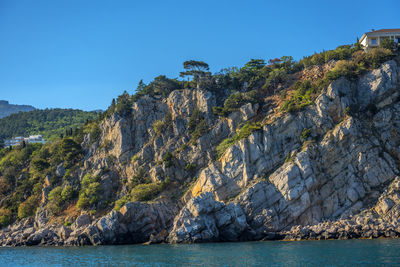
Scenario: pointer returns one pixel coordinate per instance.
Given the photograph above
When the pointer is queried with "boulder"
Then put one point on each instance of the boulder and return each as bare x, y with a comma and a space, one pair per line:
109, 227
81, 221
203, 219
64, 232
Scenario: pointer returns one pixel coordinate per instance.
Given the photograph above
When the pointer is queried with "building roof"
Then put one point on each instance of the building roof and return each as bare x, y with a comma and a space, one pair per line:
378, 31
35, 136
385, 30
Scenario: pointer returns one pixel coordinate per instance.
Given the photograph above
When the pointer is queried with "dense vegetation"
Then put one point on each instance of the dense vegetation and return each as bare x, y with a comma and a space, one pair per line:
25, 169
351, 64
50, 123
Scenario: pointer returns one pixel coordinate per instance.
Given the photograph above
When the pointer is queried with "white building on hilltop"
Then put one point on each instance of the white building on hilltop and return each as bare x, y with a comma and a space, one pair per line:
32, 139
374, 38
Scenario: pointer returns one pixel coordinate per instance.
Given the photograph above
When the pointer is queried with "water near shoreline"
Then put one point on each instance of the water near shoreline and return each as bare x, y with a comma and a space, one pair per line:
378, 252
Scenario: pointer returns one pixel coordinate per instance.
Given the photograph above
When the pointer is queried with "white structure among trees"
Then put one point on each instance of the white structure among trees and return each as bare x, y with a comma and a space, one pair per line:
374, 38
28, 140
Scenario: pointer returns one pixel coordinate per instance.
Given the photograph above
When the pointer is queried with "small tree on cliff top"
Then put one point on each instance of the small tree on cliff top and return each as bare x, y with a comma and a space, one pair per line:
194, 68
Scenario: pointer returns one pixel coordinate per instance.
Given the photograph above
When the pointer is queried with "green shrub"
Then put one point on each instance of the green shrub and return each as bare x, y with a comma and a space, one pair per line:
340, 53
388, 43
67, 193
194, 119
235, 101
168, 159
38, 165
124, 104
220, 111
55, 200
90, 191
275, 77
344, 68
244, 132
190, 167
28, 207
146, 192
95, 133
69, 151
159, 126
83, 202
302, 96
140, 177
5, 217
134, 158
121, 202
375, 57
161, 85
305, 134
58, 197
4, 185
200, 130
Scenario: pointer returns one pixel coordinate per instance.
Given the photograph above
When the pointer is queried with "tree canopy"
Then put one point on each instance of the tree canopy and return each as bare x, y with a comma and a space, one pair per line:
194, 68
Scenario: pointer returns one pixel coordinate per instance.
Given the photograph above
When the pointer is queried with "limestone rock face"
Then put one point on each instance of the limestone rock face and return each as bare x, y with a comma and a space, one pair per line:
135, 223
280, 180
376, 84
205, 219
328, 171
60, 170
81, 221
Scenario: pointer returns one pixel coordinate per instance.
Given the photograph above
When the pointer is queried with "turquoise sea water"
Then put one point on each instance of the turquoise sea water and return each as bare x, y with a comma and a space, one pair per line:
379, 252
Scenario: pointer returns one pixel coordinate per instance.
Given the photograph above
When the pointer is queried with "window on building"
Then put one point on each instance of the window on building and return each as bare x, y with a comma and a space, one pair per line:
397, 39
373, 41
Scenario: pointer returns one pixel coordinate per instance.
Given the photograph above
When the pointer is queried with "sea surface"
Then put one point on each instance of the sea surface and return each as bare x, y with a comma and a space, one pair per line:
378, 252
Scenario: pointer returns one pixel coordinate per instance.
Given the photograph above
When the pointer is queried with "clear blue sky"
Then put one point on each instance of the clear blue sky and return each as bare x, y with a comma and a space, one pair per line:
81, 54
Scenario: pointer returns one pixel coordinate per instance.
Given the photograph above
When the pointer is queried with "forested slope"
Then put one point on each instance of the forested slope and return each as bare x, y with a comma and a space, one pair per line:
50, 123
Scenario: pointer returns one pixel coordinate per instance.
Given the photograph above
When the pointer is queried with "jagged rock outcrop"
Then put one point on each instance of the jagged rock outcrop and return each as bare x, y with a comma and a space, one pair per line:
330, 170
204, 219
338, 173
135, 223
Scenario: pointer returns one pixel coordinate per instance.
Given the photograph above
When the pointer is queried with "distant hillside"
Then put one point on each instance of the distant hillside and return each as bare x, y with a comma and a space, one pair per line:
8, 109
50, 123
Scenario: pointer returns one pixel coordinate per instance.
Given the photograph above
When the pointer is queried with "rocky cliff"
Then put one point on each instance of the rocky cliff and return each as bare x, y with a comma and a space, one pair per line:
330, 170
